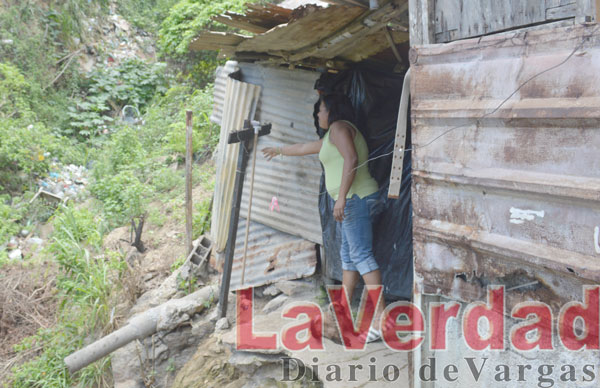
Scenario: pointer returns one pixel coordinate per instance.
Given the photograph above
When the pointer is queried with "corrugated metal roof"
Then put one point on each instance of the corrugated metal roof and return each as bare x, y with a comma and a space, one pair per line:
315, 36
506, 177
272, 256
239, 104
287, 102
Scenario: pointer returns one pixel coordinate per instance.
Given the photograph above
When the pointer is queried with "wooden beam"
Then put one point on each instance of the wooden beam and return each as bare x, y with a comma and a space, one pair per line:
212, 40
240, 23
347, 2
400, 141
421, 22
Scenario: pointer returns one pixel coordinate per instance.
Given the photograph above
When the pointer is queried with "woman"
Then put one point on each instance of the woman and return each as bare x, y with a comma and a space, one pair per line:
343, 153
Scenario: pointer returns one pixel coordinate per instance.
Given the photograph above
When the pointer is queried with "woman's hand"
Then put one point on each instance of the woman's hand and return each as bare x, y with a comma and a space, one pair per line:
338, 209
271, 152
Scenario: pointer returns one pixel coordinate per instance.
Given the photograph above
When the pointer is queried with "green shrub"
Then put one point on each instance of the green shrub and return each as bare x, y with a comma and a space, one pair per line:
201, 218
86, 283
109, 89
122, 195
188, 18
165, 179
10, 222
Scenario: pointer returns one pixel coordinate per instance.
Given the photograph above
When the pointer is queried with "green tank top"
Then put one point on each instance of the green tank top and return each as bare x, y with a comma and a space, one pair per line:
333, 162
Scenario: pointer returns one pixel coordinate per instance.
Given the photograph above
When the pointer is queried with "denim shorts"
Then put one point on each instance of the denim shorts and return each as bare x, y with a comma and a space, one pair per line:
357, 233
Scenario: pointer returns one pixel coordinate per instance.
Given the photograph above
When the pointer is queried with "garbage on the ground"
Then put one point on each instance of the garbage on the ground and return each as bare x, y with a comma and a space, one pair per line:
15, 255
63, 182
12, 244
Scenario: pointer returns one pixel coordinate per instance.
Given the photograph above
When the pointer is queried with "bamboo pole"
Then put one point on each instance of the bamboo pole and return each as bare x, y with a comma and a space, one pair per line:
256, 129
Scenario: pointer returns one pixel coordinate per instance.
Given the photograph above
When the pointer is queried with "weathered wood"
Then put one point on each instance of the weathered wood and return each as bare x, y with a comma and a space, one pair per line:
366, 24
233, 226
458, 19
588, 11
188, 180
390, 40
241, 23
561, 12
140, 327
358, 3
421, 22
212, 40
400, 141
304, 32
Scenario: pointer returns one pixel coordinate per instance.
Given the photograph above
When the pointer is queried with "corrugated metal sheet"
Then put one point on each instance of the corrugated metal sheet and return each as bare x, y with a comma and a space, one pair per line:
272, 256
506, 173
220, 88
240, 101
287, 102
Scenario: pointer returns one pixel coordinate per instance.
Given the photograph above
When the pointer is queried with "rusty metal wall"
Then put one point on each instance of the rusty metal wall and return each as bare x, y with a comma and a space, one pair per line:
286, 102
506, 173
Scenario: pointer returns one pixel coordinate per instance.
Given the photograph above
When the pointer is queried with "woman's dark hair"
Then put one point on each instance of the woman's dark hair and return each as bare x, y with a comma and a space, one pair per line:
339, 107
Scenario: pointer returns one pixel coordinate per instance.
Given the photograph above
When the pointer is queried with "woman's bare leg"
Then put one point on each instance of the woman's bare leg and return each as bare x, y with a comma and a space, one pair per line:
349, 281
373, 278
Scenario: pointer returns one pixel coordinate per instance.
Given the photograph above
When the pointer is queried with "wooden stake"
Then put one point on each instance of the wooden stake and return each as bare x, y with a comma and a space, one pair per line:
188, 180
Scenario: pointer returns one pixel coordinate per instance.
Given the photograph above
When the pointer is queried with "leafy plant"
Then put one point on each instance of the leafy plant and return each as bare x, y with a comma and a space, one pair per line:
122, 196
188, 17
109, 89
201, 218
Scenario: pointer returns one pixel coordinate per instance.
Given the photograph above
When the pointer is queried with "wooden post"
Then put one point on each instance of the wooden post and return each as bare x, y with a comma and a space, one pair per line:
233, 227
188, 180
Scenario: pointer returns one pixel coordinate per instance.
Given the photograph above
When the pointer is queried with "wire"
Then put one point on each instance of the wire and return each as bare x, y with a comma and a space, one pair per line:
496, 109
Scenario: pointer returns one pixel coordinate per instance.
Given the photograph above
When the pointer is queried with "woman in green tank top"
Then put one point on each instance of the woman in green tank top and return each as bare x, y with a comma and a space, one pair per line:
344, 154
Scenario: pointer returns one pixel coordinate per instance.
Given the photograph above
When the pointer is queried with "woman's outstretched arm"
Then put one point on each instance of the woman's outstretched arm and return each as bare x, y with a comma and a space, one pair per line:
299, 149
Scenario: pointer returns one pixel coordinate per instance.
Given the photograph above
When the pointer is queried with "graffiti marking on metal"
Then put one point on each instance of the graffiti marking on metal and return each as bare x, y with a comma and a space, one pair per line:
519, 216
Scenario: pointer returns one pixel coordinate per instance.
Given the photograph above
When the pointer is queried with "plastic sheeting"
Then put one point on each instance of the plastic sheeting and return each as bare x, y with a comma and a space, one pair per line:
376, 98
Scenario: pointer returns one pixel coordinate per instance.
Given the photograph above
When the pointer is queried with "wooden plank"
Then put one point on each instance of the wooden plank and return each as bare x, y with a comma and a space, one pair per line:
233, 226
421, 22
303, 32
587, 11
558, 3
400, 141
562, 12
240, 23
459, 19
212, 40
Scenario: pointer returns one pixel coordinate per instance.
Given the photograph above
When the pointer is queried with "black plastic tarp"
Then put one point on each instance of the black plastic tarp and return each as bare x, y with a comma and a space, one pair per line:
376, 99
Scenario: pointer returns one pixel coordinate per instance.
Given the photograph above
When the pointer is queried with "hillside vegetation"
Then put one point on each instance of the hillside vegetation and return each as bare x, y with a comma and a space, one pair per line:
93, 97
